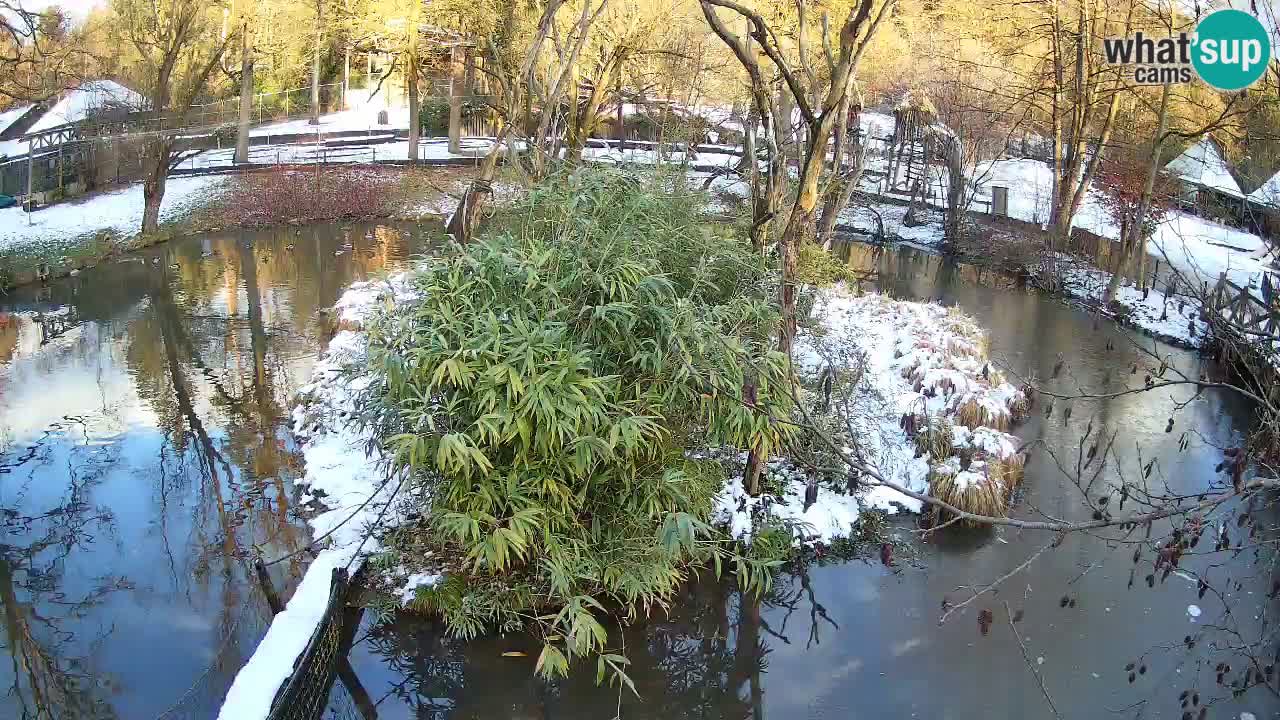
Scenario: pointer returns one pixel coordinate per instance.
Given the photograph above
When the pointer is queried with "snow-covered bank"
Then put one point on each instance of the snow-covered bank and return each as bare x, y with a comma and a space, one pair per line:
119, 211
889, 220
917, 402
1172, 318
348, 475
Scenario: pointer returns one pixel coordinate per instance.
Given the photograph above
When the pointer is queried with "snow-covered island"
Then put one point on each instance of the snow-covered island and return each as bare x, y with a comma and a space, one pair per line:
914, 385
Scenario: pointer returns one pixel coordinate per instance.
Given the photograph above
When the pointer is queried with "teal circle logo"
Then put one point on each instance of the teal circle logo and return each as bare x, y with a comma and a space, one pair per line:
1232, 49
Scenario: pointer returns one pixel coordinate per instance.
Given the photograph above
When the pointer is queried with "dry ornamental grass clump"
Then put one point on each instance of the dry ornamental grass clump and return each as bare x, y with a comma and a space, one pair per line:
930, 366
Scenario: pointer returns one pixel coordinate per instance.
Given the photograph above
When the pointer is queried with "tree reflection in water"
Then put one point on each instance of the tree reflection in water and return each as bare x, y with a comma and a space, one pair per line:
159, 386
51, 673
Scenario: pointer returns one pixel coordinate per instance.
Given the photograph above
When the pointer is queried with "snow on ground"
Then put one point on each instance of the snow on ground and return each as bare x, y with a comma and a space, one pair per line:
356, 119
119, 211
1199, 248
877, 125
910, 359
353, 485
650, 156
871, 218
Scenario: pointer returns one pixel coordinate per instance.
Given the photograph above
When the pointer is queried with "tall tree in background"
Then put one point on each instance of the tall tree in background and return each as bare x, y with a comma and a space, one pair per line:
175, 48
246, 84
820, 102
412, 69
39, 54
623, 31
511, 72
823, 104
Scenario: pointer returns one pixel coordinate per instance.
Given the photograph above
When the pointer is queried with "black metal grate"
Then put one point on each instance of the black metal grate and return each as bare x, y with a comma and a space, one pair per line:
306, 693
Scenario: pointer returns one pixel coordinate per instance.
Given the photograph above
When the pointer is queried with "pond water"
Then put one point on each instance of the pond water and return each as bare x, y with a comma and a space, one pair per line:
146, 459
145, 456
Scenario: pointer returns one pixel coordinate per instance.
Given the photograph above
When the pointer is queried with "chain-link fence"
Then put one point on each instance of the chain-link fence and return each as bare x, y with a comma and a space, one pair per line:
306, 693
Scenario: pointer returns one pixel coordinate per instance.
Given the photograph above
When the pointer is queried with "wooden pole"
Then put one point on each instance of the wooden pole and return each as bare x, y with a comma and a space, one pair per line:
455, 99
31, 171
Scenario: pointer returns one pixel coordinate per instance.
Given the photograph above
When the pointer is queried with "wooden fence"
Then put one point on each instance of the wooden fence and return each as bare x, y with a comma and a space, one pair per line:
1250, 331
1257, 316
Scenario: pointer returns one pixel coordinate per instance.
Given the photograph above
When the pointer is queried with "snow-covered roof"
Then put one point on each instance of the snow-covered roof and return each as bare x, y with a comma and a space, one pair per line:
1268, 193
11, 116
81, 102
1202, 164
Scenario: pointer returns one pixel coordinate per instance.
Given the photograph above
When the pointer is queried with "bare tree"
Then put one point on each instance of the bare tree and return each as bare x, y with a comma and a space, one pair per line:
819, 106
513, 85
177, 50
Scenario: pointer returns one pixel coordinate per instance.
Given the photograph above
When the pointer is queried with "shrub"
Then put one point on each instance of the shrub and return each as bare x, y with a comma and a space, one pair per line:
816, 266
295, 196
433, 117
547, 389
433, 114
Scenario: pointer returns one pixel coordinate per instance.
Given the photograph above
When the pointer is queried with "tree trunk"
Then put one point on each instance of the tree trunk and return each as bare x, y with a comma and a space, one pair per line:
411, 87
346, 77
1056, 112
153, 185
1076, 197
955, 191
621, 133
786, 133
246, 96
846, 180
582, 120
1137, 233
315, 67
463, 223
799, 226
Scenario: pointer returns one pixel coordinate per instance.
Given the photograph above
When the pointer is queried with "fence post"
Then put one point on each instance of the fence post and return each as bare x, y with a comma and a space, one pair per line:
31, 171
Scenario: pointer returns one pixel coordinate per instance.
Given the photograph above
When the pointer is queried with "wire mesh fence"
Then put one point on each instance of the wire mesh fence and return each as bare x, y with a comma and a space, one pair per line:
306, 693
55, 173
